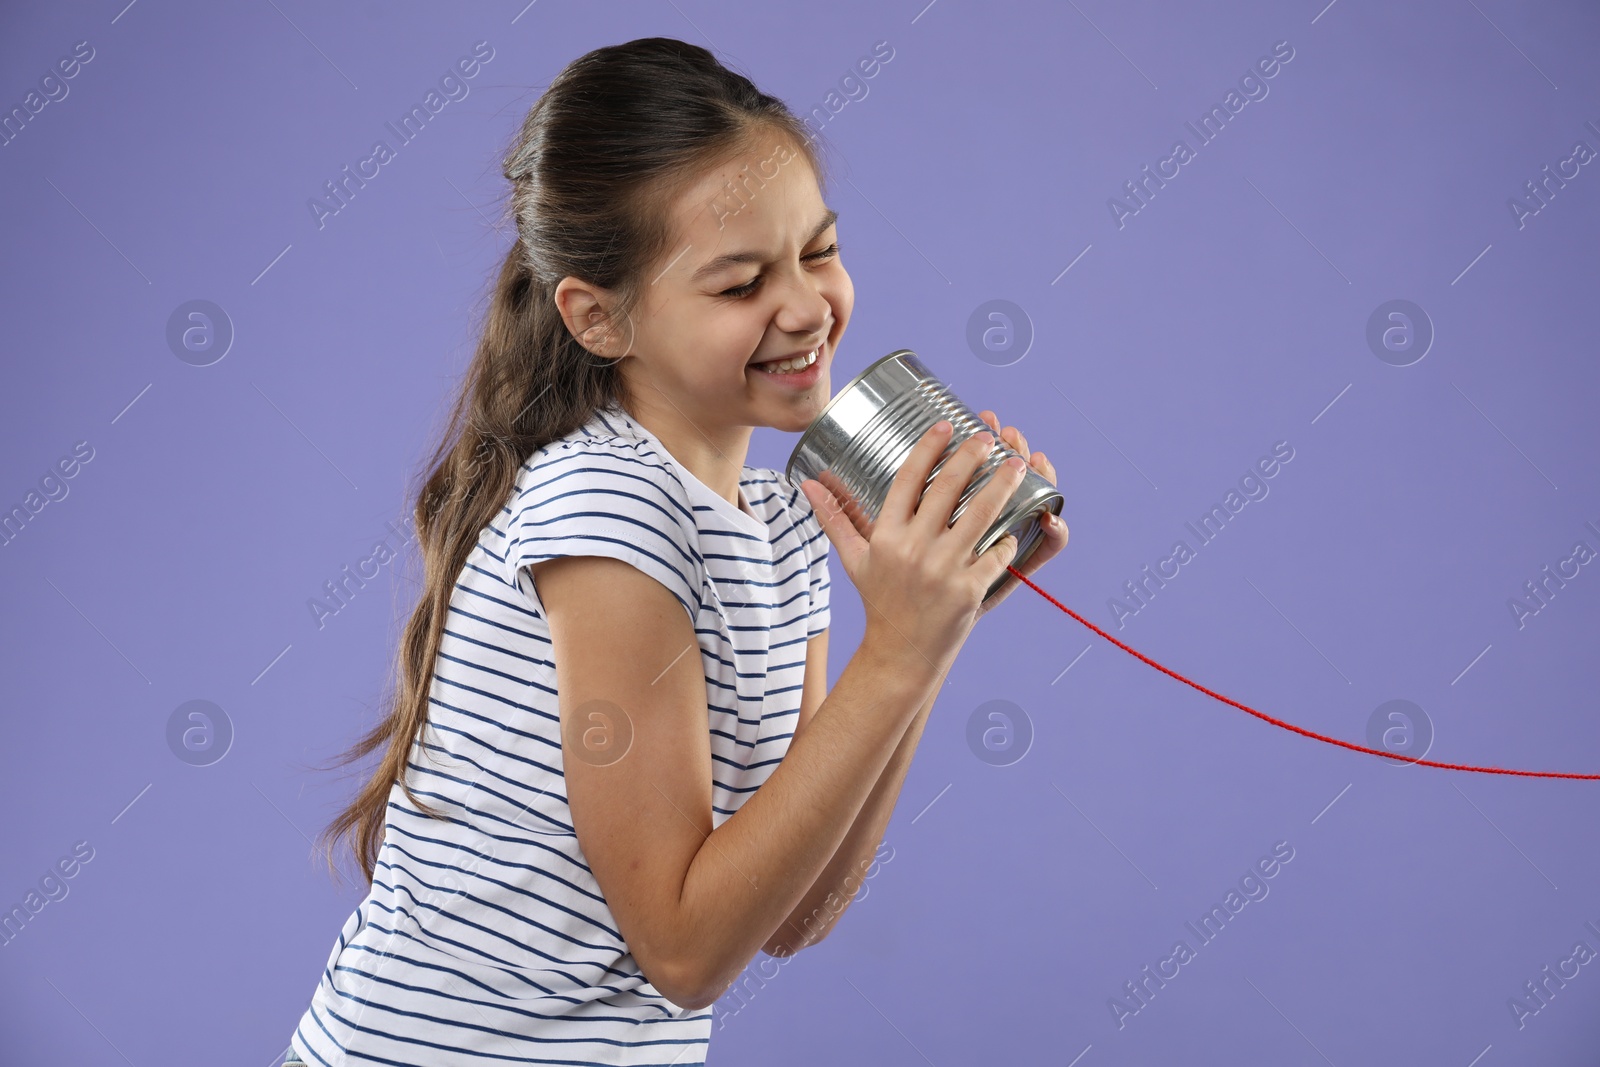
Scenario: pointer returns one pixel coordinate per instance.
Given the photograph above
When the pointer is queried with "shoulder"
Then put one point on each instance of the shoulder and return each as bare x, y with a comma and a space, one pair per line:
596, 494
605, 470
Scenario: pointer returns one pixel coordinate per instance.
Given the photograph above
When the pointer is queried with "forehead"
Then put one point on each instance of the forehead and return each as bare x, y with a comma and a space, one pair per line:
759, 199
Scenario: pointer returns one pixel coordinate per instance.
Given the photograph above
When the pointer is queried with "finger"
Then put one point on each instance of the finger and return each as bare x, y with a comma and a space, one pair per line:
900, 502
986, 505
1056, 529
1042, 466
939, 500
999, 597
847, 501
1018, 443
835, 523
1055, 539
993, 563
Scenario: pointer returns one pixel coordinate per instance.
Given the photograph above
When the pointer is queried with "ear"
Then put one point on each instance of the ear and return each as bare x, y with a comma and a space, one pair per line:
584, 308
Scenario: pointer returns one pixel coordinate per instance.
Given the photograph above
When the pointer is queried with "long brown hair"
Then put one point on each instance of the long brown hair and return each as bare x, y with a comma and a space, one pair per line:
598, 158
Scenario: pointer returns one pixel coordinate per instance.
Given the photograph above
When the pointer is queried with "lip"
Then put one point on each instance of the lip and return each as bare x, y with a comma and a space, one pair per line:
820, 348
799, 379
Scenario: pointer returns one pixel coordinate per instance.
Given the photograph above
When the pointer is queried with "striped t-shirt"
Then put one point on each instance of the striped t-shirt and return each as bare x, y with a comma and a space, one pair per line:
485, 939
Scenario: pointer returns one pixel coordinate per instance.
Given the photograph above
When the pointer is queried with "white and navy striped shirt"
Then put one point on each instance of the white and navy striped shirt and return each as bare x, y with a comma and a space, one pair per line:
484, 938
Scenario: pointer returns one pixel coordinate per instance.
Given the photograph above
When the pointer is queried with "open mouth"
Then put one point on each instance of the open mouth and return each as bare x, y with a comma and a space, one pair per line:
791, 364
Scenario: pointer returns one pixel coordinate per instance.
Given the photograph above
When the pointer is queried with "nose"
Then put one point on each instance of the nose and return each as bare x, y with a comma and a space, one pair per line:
805, 308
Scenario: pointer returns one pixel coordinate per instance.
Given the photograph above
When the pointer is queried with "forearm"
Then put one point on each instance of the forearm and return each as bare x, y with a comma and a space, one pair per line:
752, 872
835, 889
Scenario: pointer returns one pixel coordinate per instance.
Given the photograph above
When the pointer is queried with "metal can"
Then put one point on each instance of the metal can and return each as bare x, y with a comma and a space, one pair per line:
863, 436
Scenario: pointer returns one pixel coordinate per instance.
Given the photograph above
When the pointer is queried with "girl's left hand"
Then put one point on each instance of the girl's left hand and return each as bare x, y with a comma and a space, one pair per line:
1054, 528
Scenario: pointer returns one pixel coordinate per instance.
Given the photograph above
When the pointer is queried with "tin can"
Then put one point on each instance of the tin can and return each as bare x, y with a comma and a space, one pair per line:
865, 433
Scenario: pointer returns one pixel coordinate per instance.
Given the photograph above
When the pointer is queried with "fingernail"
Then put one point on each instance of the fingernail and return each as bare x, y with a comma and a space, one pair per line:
1015, 463
941, 427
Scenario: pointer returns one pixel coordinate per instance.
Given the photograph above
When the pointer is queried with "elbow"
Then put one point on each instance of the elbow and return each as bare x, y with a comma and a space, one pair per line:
684, 983
692, 985
793, 937
781, 947
692, 996
682, 972
689, 981
698, 1002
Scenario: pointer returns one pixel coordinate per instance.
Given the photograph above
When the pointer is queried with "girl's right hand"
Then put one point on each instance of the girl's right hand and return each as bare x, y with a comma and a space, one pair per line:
920, 578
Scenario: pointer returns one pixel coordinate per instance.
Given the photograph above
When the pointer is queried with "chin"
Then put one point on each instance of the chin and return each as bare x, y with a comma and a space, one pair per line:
817, 398
790, 423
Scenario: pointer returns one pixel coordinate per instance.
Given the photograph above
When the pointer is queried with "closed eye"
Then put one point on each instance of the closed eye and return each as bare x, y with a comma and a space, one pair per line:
741, 291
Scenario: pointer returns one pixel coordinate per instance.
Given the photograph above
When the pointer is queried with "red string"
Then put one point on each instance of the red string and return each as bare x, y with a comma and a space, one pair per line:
1278, 722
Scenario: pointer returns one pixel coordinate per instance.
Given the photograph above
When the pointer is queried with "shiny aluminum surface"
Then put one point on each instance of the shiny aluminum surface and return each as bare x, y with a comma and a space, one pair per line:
862, 438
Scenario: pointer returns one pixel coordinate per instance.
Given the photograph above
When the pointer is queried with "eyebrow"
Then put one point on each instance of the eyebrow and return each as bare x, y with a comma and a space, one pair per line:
731, 258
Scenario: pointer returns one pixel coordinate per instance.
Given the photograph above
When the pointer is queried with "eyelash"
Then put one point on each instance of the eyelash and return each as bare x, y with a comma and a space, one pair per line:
739, 292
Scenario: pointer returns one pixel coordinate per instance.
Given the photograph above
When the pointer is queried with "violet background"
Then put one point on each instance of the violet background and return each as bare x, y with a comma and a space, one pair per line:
1222, 318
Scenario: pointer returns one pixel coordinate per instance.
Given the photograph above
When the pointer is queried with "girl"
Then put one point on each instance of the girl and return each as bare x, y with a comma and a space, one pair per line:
613, 771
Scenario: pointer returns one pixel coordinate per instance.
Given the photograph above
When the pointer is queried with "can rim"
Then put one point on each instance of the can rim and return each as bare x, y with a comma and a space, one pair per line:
788, 470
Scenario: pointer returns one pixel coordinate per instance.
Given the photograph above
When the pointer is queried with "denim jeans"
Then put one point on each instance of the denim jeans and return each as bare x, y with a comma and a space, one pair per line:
292, 1060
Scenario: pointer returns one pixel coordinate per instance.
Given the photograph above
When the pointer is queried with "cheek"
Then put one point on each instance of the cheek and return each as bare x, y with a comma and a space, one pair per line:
842, 296
728, 339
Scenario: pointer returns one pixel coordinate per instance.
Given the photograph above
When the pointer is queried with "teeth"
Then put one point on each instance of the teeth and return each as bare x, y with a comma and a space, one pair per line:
789, 366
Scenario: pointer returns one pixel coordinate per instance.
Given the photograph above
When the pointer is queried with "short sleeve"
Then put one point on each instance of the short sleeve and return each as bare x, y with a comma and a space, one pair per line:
816, 545
604, 498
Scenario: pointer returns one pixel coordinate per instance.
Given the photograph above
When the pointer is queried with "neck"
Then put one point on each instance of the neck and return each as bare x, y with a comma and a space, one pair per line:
713, 452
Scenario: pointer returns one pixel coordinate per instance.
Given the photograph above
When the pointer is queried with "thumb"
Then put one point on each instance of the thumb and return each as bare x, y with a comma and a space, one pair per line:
840, 531
1002, 552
